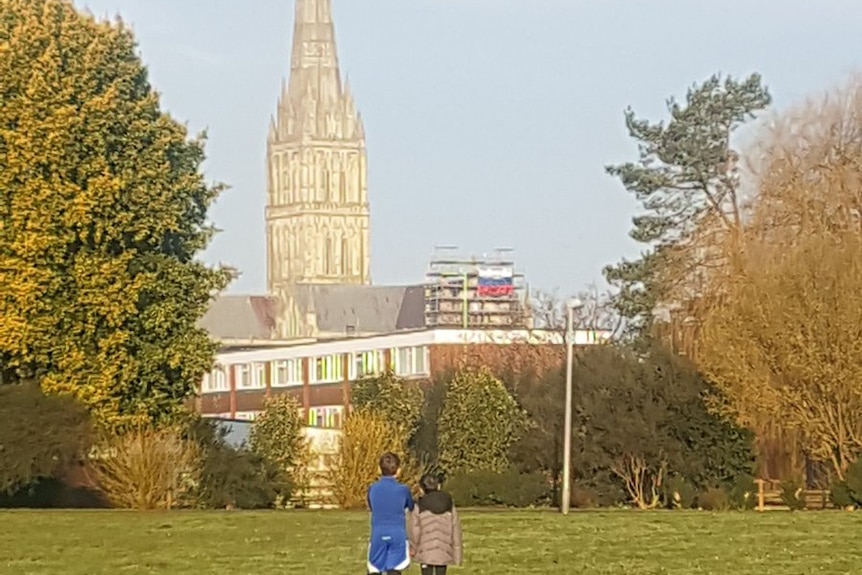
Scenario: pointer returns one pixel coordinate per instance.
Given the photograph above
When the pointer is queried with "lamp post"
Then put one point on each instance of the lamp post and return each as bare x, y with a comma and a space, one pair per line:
571, 306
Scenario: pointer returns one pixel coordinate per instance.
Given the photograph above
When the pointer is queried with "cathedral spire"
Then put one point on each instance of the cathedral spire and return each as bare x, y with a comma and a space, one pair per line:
314, 66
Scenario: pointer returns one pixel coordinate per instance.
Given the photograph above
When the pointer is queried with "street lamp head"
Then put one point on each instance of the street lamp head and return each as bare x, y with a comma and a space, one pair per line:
574, 303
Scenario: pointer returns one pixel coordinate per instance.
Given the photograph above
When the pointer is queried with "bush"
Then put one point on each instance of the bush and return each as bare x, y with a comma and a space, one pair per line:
479, 423
679, 493
277, 438
364, 438
792, 495
509, 488
40, 435
841, 496
584, 498
149, 469
714, 499
847, 493
743, 493
231, 477
394, 399
853, 480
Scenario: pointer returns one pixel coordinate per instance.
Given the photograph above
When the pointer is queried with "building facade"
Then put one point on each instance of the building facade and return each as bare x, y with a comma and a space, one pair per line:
320, 374
317, 212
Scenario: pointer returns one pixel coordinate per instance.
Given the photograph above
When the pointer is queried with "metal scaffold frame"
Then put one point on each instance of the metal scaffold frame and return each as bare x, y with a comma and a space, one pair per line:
452, 291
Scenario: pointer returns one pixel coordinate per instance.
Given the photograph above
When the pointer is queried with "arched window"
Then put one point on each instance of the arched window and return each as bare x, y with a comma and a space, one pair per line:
327, 257
345, 257
342, 187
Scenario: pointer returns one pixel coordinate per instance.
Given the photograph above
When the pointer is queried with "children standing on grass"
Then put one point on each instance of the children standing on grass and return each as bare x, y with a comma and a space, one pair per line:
388, 551
435, 531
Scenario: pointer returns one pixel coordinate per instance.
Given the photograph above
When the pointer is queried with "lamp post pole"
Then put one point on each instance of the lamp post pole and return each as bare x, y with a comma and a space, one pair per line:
571, 306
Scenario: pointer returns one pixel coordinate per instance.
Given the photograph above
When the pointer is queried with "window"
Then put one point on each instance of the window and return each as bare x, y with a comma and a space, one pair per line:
325, 417
346, 268
411, 361
327, 369
215, 381
242, 373
366, 364
258, 373
287, 373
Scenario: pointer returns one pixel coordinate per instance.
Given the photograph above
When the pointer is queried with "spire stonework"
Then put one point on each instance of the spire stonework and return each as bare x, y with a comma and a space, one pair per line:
317, 214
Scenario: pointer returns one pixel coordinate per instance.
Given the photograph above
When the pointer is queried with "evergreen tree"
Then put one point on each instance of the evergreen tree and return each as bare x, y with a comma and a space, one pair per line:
686, 177
103, 209
479, 423
392, 398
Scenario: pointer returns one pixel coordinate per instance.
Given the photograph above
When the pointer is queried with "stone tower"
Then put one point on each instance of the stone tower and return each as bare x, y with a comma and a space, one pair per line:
317, 213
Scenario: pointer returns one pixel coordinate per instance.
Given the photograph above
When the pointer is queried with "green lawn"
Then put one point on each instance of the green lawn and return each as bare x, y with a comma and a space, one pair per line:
333, 543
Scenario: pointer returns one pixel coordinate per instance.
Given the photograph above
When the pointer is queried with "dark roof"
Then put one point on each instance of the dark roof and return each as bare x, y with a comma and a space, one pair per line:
243, 317
365, 309
338, 309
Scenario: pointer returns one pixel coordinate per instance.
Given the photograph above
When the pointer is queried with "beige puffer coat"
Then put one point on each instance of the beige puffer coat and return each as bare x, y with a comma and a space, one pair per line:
435, 531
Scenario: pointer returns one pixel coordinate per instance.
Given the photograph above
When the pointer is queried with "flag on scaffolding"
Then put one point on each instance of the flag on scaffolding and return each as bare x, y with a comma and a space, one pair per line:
495, 282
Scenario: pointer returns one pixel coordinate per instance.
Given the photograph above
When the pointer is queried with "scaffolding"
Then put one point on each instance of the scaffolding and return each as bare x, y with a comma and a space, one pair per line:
474, 292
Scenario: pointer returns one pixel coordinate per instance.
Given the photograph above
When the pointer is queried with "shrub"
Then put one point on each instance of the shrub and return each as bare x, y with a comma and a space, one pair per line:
841, 496
847, 493
792, 495
743, 493
479, 423
364, 438
148, 469
231, 477
679, 493
277, 437
394, 399
853, 480
714, 499
40, 435
489, 488
584, 498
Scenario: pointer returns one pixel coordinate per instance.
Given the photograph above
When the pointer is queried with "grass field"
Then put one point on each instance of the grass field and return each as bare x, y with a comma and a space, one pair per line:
333, 543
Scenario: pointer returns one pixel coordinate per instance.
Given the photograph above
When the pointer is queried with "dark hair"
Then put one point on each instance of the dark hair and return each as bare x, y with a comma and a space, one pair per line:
389, 464
429, 483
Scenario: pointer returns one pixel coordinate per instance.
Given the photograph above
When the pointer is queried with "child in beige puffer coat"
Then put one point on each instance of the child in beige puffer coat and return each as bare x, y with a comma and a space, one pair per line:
434, 529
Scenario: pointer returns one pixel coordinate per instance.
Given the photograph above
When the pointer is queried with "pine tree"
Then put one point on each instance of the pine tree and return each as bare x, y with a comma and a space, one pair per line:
103, 209
686, 177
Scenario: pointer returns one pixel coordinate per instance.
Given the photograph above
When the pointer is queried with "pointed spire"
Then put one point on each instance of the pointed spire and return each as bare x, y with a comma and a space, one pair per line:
314, 58
315, 103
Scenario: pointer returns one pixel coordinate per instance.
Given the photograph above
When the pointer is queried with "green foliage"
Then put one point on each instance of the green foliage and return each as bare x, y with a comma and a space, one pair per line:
743, 493
686, 172
509, 488
841, 496
679, 493
584, 498
853, 480
277, 437
714, 499
104, 209
479, 423
848, 492
39, 435
392, 398
231, 477
792, 495
649, 407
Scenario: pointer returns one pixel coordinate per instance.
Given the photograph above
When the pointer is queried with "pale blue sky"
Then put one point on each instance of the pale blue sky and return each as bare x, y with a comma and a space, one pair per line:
489, 121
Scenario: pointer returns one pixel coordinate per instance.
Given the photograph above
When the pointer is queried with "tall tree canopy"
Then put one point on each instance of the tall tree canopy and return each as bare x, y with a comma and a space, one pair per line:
781, 331
103, 209
686, 179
